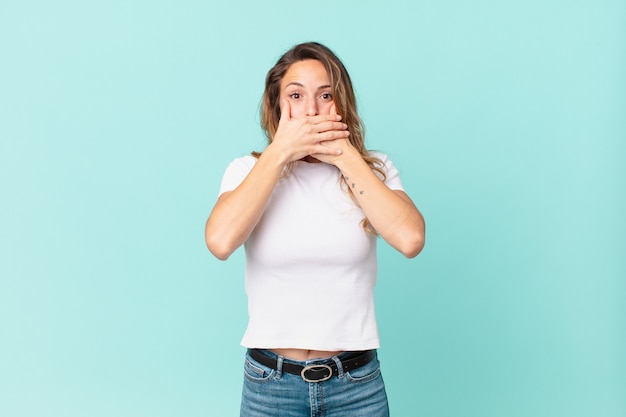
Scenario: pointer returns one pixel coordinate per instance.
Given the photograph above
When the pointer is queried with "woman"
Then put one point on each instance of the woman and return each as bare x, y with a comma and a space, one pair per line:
308, 210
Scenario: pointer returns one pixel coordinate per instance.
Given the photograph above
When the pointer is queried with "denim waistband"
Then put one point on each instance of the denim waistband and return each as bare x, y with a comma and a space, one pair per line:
340, 356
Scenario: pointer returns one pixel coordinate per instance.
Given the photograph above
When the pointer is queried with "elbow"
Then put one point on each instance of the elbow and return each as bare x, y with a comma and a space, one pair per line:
218, 243
412, 245
220, 253
217, 247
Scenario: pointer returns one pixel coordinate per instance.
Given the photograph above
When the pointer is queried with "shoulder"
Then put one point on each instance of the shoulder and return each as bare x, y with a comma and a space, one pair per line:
392, 176
241, 165
384, 159
236, 171
247, 161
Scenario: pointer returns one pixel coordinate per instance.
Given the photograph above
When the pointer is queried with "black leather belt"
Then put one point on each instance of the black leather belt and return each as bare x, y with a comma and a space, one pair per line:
318, 372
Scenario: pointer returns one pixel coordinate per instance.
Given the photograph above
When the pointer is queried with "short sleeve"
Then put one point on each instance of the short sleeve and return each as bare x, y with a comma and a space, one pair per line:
236, 172
393, 176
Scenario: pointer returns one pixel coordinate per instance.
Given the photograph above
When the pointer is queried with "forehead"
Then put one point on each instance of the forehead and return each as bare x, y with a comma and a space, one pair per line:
309, 72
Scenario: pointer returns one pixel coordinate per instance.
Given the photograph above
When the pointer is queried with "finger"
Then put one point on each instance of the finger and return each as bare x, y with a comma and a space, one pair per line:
330, 142
333, 109
332, 135
285, 110
328, 126
325, 150
324, 118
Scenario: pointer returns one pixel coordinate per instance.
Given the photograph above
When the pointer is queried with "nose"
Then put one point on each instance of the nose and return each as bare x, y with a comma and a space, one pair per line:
311, 107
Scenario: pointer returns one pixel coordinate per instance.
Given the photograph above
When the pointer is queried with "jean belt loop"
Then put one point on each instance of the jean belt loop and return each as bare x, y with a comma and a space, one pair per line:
279, 366
339, 366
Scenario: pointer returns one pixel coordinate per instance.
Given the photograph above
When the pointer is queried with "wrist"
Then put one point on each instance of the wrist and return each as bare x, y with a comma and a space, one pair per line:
277, 156
273, 158
349, 160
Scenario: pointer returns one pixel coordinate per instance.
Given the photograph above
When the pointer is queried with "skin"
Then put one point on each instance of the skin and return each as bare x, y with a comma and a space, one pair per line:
311, 130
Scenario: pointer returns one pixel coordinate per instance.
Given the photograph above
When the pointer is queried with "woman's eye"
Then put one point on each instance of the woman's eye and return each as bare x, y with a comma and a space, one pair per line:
295, 95
327, 96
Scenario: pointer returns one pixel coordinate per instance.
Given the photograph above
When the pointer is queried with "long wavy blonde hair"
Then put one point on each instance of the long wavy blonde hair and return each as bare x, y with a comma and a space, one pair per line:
344, 99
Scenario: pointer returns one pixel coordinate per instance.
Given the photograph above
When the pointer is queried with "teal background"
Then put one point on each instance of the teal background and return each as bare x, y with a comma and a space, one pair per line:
506, 120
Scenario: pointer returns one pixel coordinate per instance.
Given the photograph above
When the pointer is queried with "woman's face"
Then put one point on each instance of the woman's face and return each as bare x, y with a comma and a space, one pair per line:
306, 87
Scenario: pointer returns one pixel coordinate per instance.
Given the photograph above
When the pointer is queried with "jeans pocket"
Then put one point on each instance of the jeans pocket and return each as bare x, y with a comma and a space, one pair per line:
365, 373
257, 372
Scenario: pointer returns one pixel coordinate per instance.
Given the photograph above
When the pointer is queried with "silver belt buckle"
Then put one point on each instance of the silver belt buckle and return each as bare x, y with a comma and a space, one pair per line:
312, 367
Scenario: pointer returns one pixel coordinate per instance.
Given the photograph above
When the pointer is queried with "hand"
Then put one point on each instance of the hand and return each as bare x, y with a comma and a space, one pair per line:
298, 138
341, 144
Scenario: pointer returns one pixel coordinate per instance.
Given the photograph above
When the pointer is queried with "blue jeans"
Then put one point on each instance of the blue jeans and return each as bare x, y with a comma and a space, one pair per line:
270, 392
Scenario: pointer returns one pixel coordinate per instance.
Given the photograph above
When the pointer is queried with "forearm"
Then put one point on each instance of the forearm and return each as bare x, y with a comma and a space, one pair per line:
392, 213
236, 213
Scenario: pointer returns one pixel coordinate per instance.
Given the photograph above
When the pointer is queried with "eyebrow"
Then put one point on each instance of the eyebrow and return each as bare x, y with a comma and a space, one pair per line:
302, 85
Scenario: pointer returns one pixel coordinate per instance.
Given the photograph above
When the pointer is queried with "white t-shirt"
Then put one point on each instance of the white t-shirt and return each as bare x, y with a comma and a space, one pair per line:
310, 267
